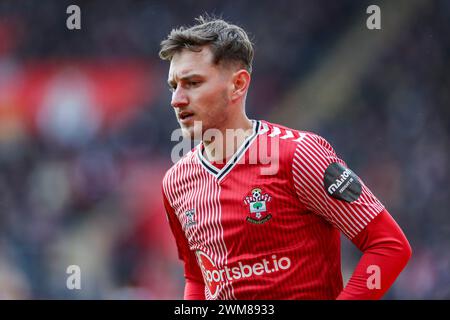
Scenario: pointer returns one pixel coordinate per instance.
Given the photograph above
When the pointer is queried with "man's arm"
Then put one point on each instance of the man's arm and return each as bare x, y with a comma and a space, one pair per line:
326, 186
194, 286
386, 252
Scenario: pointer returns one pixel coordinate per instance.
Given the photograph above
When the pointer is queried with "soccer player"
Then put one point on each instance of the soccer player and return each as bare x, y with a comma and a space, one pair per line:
258, 214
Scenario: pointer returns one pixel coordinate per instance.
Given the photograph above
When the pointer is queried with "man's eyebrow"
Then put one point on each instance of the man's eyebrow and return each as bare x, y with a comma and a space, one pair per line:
172, 82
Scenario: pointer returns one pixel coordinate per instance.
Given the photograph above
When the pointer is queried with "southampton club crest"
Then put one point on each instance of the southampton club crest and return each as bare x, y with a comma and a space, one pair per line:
256, 201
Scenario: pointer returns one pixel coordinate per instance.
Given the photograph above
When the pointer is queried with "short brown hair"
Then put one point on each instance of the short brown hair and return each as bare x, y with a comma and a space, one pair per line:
228, 42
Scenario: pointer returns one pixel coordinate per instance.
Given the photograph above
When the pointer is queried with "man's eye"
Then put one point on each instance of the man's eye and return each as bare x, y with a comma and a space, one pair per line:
193, 83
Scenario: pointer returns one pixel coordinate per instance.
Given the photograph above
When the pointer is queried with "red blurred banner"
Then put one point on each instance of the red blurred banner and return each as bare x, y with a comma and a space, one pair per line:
114, 90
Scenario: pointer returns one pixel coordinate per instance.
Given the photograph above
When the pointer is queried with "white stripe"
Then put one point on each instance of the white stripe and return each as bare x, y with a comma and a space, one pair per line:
276, 131
193, 236
288, 134
207, 231
302, 136
264, 129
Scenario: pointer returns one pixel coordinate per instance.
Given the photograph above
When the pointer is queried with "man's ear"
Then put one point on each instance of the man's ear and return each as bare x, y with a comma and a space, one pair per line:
241, 81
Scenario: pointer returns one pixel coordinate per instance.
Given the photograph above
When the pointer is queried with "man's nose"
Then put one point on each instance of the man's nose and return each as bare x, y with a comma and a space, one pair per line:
179, 98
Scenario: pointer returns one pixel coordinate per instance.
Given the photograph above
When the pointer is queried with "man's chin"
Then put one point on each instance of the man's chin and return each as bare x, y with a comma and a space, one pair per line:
192, 131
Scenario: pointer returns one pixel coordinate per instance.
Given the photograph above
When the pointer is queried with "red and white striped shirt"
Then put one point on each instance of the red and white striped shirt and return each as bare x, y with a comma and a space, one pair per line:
266, 224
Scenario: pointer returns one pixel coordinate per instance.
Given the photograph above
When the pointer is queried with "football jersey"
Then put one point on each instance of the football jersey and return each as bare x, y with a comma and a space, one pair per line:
267, 224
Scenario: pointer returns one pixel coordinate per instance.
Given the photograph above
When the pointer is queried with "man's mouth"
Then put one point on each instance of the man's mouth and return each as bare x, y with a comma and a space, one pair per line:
185, 116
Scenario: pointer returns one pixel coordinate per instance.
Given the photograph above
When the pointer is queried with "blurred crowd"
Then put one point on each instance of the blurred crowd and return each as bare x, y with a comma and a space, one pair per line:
86, 123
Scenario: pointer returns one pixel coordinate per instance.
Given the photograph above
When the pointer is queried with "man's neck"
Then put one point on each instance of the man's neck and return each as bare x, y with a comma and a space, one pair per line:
220, 149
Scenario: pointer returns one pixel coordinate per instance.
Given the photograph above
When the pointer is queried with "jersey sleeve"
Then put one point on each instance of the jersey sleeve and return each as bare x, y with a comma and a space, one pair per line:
386, 253
326, 186
194, 288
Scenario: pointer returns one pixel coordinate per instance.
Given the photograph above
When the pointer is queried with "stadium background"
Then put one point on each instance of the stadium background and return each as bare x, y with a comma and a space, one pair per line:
85, 124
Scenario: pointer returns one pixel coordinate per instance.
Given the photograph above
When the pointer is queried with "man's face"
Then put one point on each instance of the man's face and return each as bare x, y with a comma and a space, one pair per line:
200, 91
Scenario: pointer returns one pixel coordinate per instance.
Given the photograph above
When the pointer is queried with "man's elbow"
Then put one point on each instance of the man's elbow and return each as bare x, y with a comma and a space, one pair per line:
406, 251
401, 249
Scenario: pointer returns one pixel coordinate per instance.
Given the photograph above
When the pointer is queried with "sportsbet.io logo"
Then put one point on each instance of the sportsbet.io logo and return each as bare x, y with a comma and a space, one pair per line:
341, 183
215, 277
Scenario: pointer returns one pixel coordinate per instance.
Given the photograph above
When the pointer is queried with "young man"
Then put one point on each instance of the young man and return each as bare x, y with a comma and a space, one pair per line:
247, 231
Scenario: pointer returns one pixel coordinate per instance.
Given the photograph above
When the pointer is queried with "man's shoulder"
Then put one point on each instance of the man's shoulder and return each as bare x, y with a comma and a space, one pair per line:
291, 141
286, 134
